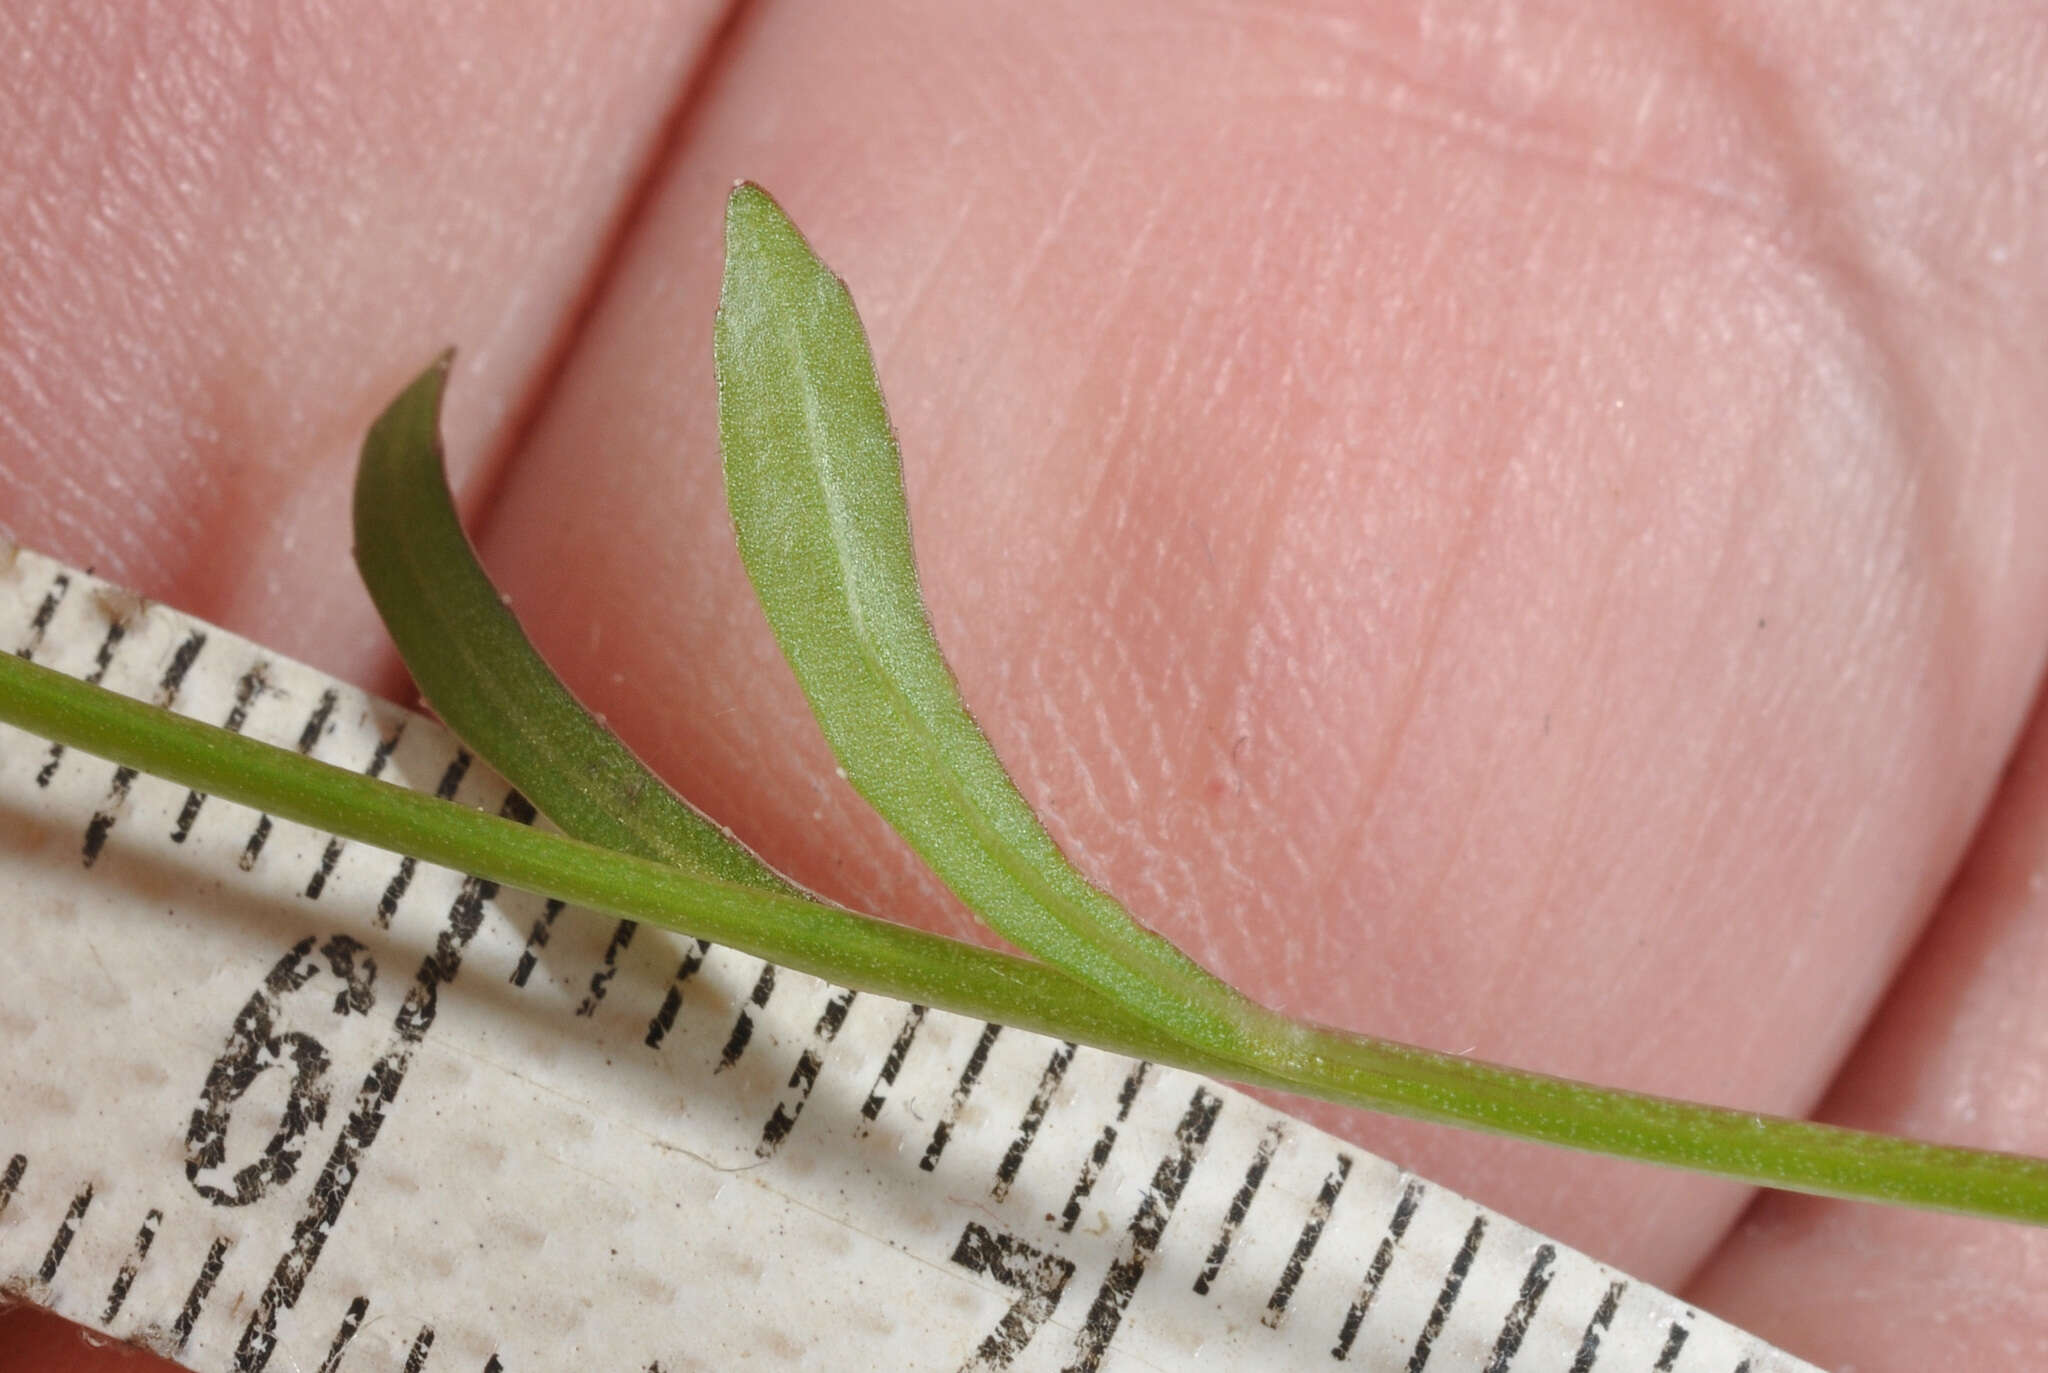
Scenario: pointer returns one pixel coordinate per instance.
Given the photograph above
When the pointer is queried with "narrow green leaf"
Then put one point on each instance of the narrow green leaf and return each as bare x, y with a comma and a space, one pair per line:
815, 485
481, 673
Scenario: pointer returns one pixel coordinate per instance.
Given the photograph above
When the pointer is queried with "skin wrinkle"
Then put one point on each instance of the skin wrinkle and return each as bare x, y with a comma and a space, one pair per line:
1691, 868
902, 322
1067, 93
1532, 924
1101, 742
1604, 654
1249, 591
1116, 302
1152, 902
1323, 809
1063, 737
1429, 890
1372, 783
1018, 290
1164, 773
1323, 633
1513, 139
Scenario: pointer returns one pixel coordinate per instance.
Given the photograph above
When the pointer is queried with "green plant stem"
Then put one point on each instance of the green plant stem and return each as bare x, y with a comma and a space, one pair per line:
814, 481
860, 951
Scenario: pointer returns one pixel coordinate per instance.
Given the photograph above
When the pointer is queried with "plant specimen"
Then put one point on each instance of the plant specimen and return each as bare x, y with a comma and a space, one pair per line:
814, 482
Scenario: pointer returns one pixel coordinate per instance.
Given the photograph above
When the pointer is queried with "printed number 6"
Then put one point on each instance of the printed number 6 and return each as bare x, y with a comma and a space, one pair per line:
254, 1044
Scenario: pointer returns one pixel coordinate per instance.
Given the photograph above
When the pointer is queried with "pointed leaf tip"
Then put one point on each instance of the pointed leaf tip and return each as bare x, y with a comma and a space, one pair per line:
751, 212
413, 416
763, 246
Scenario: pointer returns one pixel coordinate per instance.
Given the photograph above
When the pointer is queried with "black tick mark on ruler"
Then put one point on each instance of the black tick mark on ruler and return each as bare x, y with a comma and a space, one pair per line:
394, 892
536, 940
37, 626
1512, 1332
743, 1027
1104, 1144
1603, 1318
202, 1287
102, 660
1447, 1296
167, 693
317, 883
11, 1179
117, 1295
804, 1076
1240, 1205
351, 1321
964, 1088
1147, 1228
601, 980
1034, 1117
67, 1230
892, 1064
316, 725
1376, 1272
247, 689
664, 1019
416, 1358
1305, 1243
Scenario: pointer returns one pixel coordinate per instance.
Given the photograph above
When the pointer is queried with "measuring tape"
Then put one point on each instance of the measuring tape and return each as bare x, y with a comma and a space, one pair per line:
277, 1101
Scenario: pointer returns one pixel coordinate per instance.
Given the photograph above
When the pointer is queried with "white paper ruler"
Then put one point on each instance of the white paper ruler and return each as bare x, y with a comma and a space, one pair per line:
269, 1100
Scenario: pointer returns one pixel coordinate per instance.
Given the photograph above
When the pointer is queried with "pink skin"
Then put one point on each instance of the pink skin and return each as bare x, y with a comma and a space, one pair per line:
1526, 535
